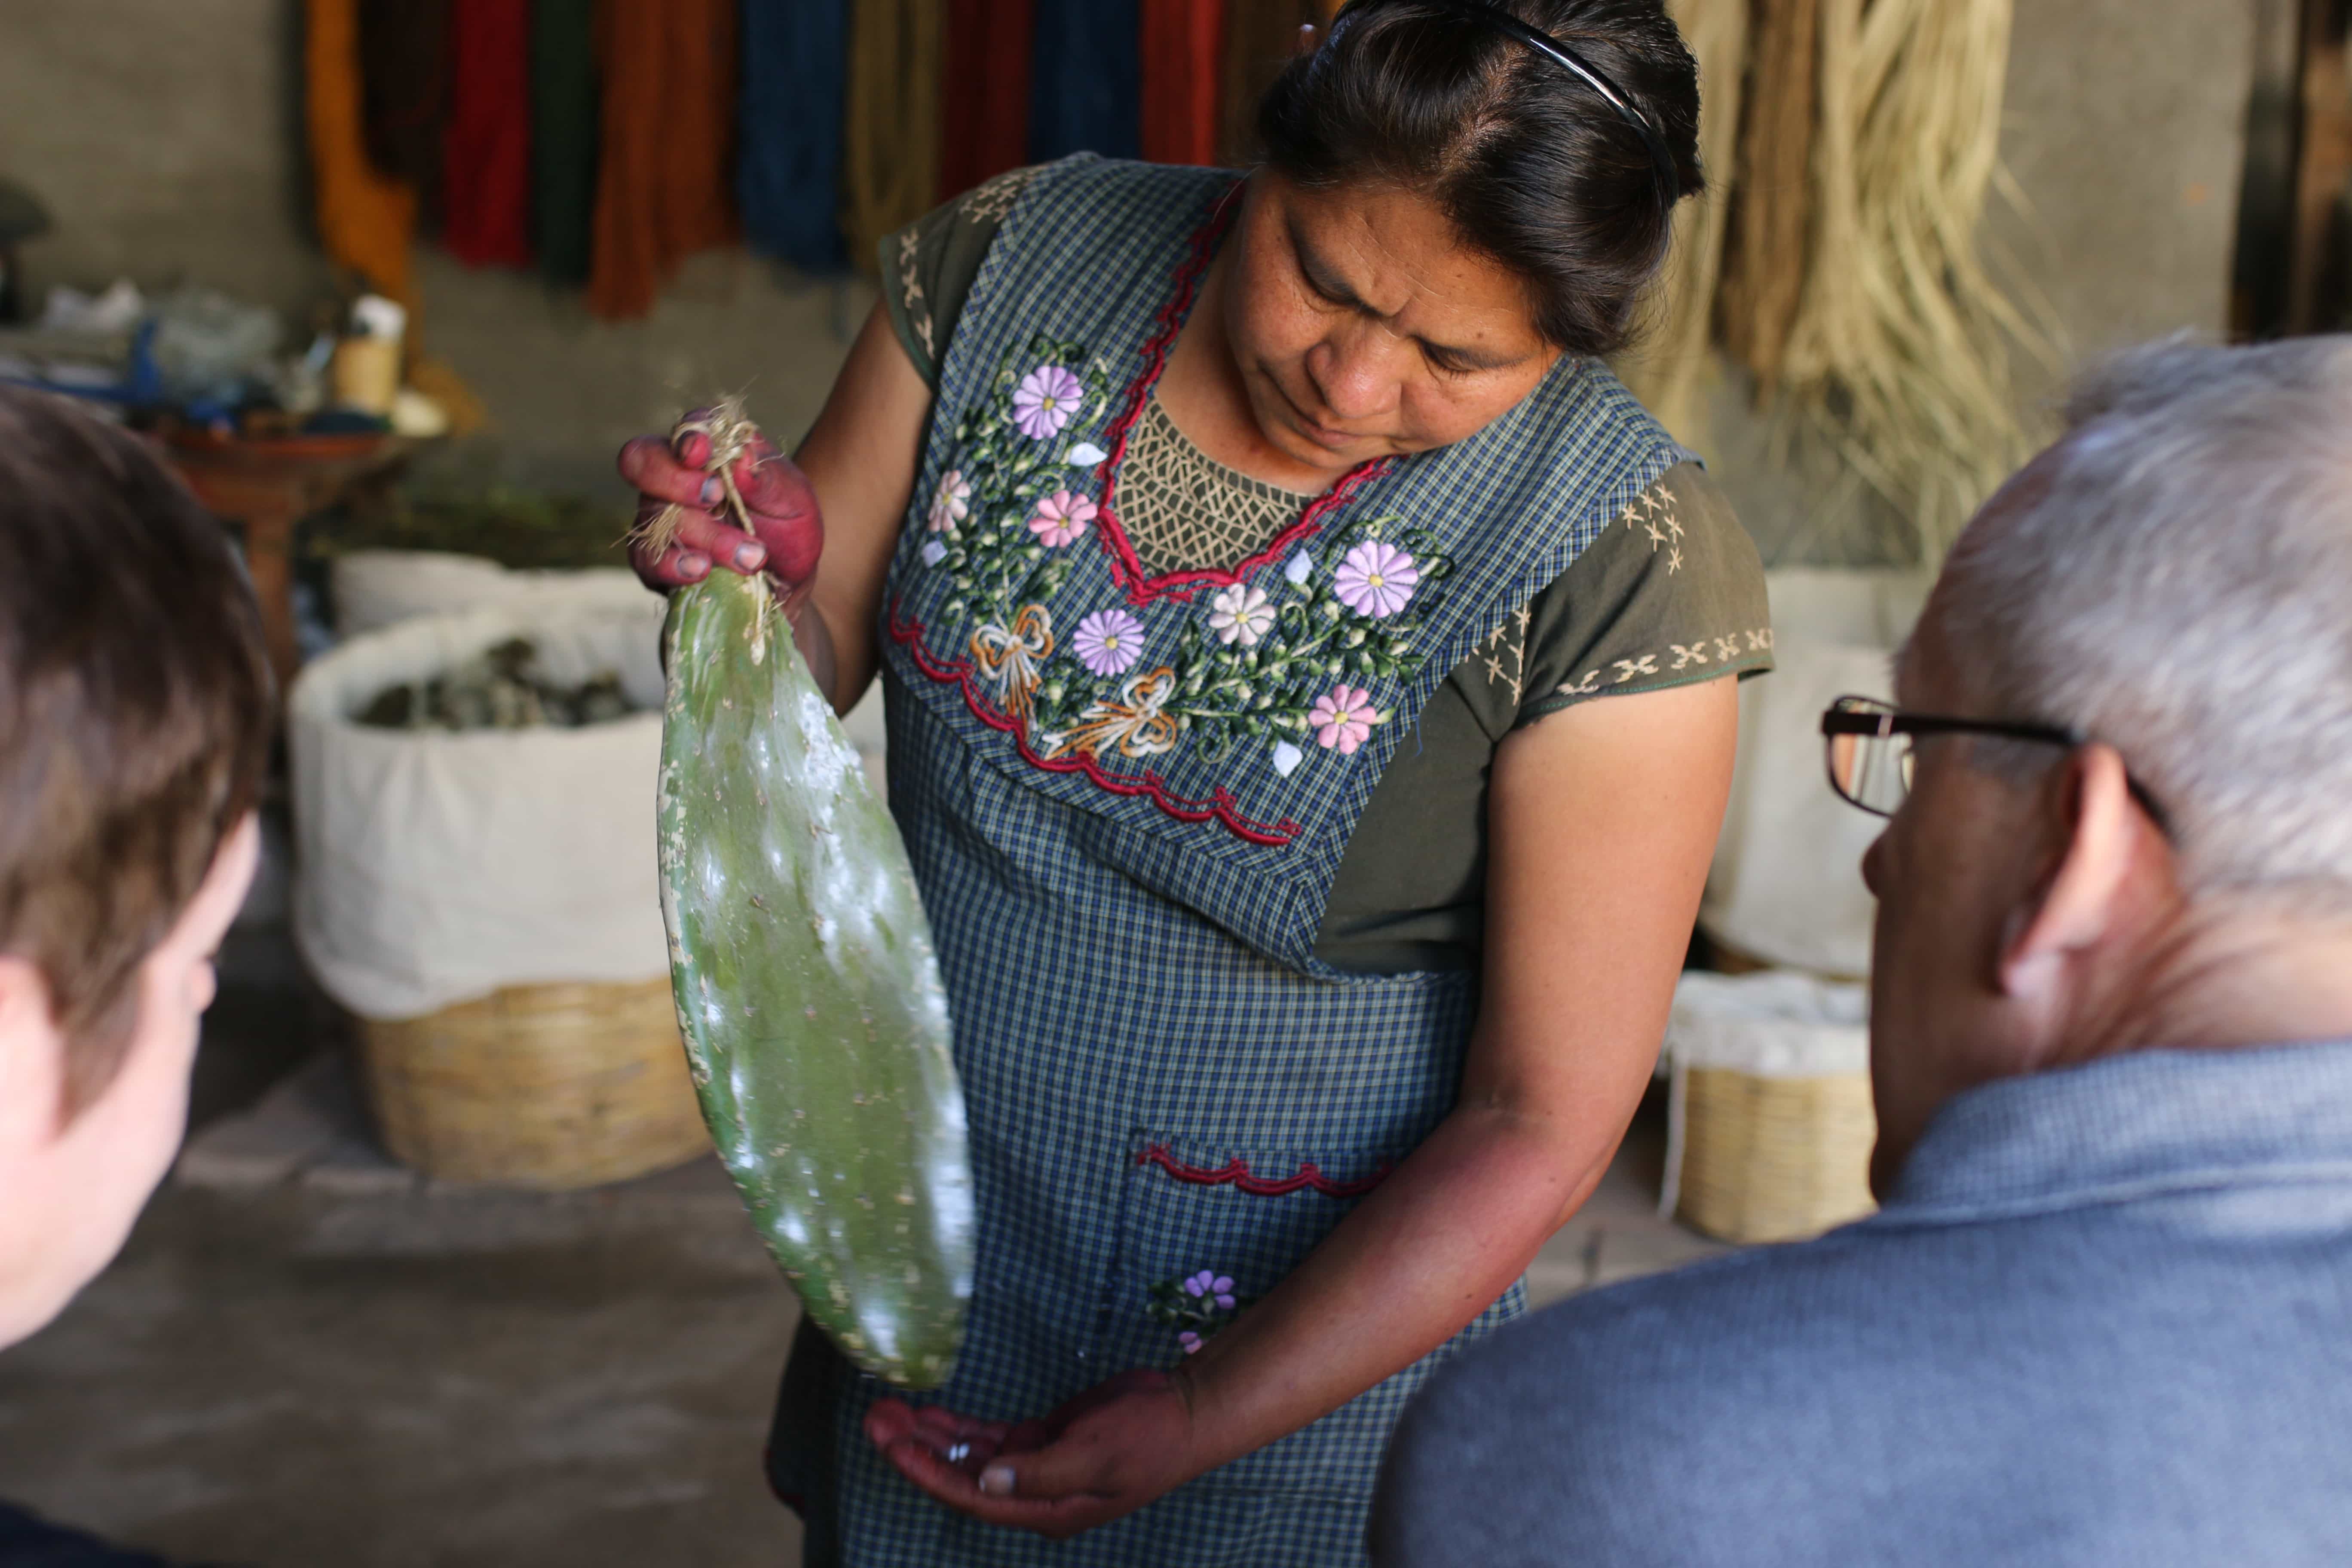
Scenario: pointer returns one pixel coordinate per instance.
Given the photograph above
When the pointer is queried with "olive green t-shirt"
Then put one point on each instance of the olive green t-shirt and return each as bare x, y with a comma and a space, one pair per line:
1670, 594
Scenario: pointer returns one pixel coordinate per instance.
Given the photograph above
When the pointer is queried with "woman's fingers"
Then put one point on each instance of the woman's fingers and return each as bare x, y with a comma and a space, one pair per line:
698, 540
653, 470
729, 546
1066, 1468
780, 509
773, 484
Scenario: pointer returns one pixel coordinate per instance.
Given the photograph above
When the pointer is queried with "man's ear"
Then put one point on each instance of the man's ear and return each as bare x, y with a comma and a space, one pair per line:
2076, 904
32, 1059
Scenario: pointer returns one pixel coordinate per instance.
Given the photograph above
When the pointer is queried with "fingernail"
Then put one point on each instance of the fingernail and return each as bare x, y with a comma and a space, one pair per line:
996, 1479
750, 556
693, 566
711, 490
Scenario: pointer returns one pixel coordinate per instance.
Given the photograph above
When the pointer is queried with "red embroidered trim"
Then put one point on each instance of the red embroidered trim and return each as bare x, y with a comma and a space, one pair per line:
1237, 1174
1220, 806
1126, 566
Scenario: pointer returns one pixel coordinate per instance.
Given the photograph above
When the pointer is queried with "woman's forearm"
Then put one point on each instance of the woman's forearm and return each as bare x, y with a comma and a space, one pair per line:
813, 637
1430, 1248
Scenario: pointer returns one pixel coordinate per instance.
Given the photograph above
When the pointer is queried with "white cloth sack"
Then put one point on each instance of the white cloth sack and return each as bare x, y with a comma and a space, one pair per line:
377, 588
1772, 1024
1786, 885
435, 867
1775, 1023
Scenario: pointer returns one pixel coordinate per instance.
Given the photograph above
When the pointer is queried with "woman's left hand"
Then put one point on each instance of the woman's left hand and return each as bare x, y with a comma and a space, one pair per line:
1102, 1455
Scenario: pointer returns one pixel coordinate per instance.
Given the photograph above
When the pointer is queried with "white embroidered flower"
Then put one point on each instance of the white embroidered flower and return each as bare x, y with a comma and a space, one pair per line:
1301, 567
1286, 757
1241, 615
951, 503
934, 553
1086, 454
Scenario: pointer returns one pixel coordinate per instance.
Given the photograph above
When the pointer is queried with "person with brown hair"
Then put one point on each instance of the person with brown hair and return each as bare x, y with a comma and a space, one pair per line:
135, 706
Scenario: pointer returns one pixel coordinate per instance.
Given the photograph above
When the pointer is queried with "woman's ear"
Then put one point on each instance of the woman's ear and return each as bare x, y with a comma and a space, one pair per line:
1310, 38
32, 1063
2078, 905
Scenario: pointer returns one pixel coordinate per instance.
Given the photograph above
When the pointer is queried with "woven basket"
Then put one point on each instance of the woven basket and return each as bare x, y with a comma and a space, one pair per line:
1774, 1158
551, 1087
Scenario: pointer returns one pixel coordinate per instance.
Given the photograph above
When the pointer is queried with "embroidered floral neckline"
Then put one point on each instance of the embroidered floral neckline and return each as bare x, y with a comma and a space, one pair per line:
1286, 669
1127, 568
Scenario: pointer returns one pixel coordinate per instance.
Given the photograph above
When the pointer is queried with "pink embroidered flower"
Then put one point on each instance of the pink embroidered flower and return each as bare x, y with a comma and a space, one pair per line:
1109, 641
1344, 719
951, 503
1375, 579
1241, 614
1063, 517
1211, 1286
1045, 401
1191, 1341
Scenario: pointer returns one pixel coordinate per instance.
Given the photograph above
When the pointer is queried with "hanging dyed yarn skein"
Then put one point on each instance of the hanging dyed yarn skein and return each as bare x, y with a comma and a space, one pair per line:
1084, 90
1184, 67
890, 155
795, 53
486, 145
668, 132
984, 93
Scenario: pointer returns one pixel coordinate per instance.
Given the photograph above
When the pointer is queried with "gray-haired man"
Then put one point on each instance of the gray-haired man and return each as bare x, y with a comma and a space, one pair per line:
2105, 1315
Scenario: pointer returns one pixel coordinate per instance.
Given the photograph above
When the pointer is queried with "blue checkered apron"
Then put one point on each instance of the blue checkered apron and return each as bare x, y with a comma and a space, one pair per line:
1125, 881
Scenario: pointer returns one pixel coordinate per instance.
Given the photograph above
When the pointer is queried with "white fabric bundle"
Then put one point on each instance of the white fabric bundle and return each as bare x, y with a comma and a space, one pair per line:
377, 588
437, 866
1786, 886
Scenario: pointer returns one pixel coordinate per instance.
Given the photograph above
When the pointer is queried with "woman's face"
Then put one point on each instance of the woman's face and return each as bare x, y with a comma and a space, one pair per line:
1364, 328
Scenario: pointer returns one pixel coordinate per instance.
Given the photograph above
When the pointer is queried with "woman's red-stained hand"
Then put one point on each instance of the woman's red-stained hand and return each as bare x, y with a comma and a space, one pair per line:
1102, 1455
787, 531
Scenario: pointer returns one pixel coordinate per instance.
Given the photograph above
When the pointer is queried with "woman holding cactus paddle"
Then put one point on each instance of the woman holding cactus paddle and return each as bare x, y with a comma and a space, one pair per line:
1308, 673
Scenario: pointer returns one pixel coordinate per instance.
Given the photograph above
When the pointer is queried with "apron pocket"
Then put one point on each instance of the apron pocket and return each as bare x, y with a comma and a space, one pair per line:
1204, 1230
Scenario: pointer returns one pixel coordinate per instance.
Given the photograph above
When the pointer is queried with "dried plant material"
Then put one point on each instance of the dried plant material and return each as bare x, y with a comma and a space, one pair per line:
1764, 269
501, 688
731, 435
1668, 372
1899, 354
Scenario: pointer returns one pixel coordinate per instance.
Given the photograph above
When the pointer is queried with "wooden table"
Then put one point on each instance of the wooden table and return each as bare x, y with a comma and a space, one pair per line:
270, 484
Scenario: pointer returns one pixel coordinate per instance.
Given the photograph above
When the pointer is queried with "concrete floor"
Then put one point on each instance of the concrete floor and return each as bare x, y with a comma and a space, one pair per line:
350, 1366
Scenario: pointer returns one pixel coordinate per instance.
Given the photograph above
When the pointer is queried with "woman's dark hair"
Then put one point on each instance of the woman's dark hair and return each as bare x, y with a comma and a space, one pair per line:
1533, 167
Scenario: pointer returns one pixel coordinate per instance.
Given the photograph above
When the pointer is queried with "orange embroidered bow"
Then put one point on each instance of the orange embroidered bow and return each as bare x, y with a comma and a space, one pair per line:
1134, 723
1010, 659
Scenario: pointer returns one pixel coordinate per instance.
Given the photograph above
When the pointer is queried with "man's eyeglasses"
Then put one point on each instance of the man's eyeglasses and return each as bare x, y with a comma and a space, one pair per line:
1871, 759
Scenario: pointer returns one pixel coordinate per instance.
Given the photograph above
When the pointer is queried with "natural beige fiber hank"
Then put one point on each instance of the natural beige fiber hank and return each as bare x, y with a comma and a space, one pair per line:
1669, 372
1899, 352
1764, 263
